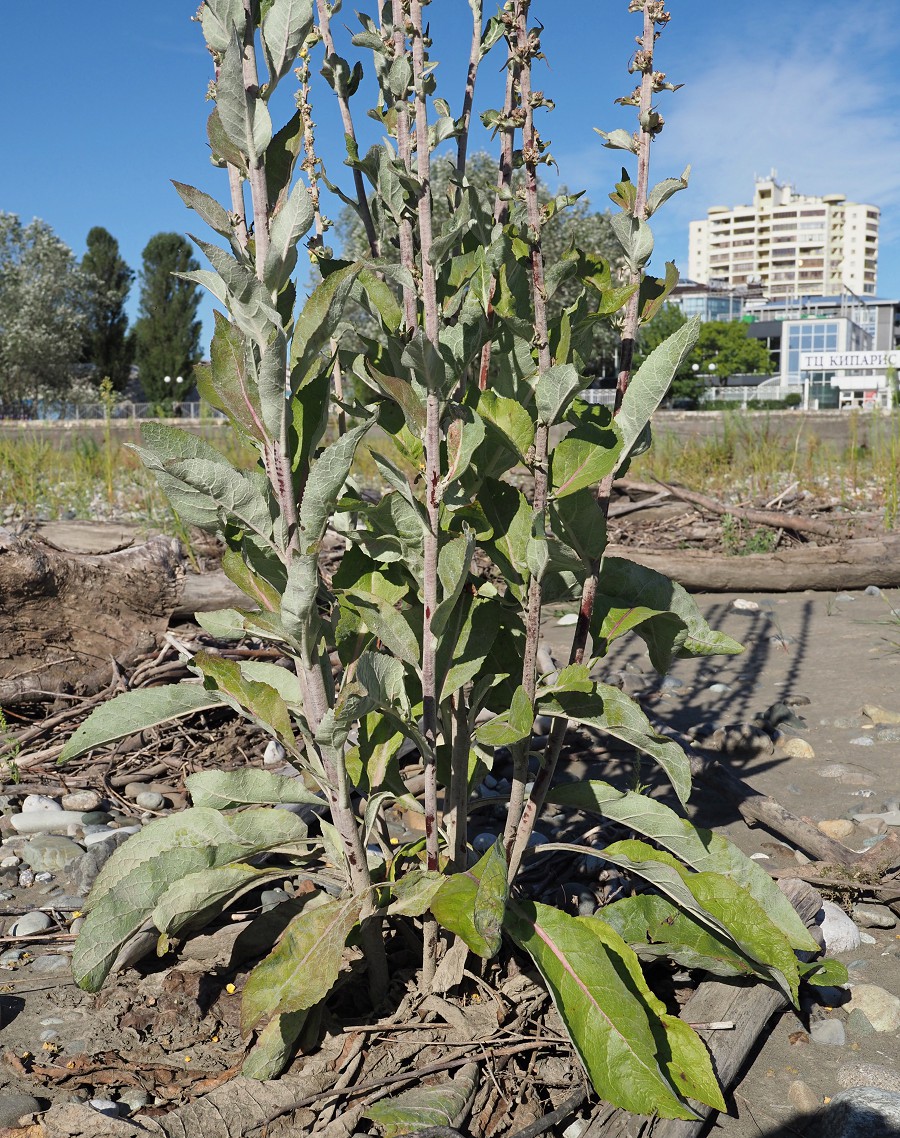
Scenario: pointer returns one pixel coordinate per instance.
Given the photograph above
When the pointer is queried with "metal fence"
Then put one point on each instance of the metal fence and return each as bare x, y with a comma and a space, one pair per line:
93, 412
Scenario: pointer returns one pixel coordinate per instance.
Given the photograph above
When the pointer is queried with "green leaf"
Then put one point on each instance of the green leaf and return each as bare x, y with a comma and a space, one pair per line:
663, 631
590, 972
608, 709
460, 899
304, 966
139, 872
464, 430
283, 29
289, 224
259, 700
215, 215
718, 901
387, 623
554, 390
824, 973
218, 18
654, 928
271, 1052
425, 1106
650, 383
281, 156
317, 323
618, 140
244, 117
228, 385
201, 483
507, 419
225, 790
510, 726
414, 892
326, 479
647, 588
491, 897
197, 898
635, 237
663, 190
454, 562
699, 848
588, 452
404, 393
135, 711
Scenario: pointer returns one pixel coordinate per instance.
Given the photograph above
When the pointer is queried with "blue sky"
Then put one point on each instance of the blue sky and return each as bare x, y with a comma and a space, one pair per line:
102, 109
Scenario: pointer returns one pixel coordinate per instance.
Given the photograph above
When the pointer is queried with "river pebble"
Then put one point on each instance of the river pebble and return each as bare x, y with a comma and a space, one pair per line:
803, 1098
34, 802
13, 1107
743, 605
863, 741
861, 1112
104, 1106
873, 916
797, 749
30, 923
83, 800
838, 828
274, 754
880, 1007
840, 933
848, 774
149, 800
829, 1032
46, 821
51, 853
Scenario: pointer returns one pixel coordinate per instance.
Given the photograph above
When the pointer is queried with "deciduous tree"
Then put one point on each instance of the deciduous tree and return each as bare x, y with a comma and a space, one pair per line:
42, 315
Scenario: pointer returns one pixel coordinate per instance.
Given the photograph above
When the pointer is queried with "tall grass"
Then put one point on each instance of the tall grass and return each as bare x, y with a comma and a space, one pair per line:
754, 457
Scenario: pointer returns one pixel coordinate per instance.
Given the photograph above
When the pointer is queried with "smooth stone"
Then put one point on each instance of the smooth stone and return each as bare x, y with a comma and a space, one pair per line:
798, 749
881, 716
104, 1106
51, 853
96, 818
670, 683
76, 926
567, 619
134, 1098
869, 1075
84, 871
46, 821
537, 839
844, 597
880, 1007
874, 916
13, 1107
872, 591
481, 843
719, 689
543, 725
858, 1024
861, 1112
829, 1032
269, 898
840, 933
745, 606
838, 828
847, 774
781, 715
274, 754
843, 722
133, 789
33, 802
30, 923
84, 800
871, 826
863, 741
11, 957
149, 800
51, 964
802, 1097
887, 734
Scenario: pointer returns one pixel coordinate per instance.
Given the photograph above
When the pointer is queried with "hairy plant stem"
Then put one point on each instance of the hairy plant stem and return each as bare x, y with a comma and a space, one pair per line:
259, 194
504, 182
238, 209
365, 214
544, 778
432, 472
531, 156
404, 150
462, 142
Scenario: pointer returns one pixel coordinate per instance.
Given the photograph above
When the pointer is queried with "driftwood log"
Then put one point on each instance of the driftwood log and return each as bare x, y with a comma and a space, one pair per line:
65, 617
851, 564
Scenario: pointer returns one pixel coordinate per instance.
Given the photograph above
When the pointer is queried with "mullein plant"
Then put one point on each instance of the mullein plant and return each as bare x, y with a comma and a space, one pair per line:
470, 381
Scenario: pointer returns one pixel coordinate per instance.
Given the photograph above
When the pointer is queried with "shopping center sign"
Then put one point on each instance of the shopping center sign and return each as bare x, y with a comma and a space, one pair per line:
848, 361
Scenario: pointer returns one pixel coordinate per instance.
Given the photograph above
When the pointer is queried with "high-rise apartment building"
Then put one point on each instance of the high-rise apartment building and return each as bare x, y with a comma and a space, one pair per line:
791, 244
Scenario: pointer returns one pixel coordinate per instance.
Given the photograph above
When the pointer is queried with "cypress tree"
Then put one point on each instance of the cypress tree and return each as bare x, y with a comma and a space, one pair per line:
167, 332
